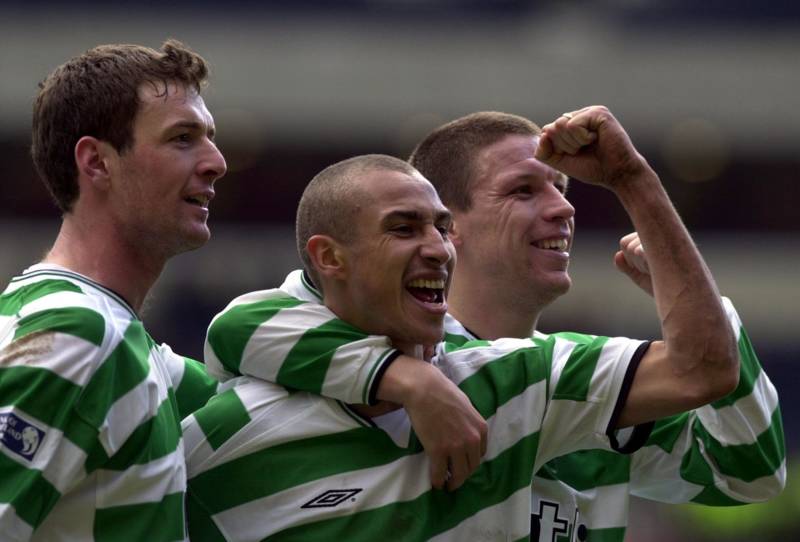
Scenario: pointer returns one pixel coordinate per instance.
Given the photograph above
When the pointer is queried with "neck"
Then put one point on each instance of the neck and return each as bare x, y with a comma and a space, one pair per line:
97, 251
489, 312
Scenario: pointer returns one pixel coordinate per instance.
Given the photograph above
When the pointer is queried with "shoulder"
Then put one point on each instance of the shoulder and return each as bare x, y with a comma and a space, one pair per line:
250, 415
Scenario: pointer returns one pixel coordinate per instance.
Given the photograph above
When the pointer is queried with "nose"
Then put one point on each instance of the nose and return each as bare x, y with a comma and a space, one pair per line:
212, 165
436, 248
558, 206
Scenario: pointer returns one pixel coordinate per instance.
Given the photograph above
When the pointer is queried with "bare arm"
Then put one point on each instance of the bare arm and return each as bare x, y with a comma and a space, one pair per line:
697, 361
300, 344
449, 427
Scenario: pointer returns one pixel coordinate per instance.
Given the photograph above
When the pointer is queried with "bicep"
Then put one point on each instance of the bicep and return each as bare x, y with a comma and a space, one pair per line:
658, 390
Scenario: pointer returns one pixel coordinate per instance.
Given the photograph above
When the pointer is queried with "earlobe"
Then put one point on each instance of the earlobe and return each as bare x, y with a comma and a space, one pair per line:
92, 158
327, 256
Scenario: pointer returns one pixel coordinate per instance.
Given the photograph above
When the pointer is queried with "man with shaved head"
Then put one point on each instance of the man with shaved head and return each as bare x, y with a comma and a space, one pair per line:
655, 391
512, 229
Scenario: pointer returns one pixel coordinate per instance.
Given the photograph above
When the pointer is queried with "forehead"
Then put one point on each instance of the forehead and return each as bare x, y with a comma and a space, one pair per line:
170, 103
511, 158
392, 191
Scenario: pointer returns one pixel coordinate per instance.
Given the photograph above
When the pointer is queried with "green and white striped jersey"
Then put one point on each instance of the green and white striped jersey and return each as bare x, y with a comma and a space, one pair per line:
265, 463
291, 317
90, 410
728, 453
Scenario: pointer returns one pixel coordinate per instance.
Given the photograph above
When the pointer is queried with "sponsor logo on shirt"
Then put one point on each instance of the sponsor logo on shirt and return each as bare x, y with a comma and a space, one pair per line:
548, 526
19, 436
331, 498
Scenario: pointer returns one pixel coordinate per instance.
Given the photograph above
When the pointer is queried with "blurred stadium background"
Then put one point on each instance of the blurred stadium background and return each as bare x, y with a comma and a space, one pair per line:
707, 90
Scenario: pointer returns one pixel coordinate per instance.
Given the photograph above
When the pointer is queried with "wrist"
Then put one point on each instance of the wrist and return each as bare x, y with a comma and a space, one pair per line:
402, 380
643, 187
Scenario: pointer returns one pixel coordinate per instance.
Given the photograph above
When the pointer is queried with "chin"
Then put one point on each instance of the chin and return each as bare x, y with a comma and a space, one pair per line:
427, 336
196, 238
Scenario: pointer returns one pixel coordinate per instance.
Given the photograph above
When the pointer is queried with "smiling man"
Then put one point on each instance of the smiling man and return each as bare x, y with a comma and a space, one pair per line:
341, 470
90, 405
513, 229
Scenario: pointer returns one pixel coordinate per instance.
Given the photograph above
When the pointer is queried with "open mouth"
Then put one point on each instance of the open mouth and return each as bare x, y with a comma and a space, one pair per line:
427, 291
199, 200
559, 245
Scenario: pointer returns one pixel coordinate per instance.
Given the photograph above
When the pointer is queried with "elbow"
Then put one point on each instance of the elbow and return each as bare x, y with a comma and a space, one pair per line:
721, 376
714, 376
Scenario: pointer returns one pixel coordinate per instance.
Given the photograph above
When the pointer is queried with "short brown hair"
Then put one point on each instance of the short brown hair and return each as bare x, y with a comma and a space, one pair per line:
332, 200
446, 157
97, 94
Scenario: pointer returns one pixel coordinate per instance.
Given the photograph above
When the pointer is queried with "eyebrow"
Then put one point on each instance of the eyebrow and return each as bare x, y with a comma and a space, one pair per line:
193, 125
441, 216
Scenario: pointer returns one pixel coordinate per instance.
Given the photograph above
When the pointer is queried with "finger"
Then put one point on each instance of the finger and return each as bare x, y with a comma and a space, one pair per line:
583, 135
459, 471
639, 259
473, 458
621, 263
627, 239
630, 258
545, 148
562, 143
573, 133
624, 265
438, 471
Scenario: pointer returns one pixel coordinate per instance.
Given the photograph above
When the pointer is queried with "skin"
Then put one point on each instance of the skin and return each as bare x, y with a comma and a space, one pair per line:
518, 203
402, 235
696, 362
140, 207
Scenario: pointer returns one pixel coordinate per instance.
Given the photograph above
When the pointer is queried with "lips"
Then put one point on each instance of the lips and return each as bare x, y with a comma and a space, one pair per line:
428, 291
200, 199
559, 244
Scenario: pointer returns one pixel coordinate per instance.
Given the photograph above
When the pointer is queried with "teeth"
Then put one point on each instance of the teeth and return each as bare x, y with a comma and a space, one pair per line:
431, 284
553, 244
200, 199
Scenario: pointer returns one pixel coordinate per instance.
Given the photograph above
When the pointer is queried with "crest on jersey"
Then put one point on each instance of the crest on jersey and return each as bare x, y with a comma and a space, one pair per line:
331, 498
19, 436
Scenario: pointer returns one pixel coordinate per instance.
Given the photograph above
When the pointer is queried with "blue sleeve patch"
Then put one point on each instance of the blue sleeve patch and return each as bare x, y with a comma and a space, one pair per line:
19, 436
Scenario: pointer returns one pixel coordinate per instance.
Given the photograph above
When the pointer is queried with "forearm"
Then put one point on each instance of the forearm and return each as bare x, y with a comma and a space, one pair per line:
698, 339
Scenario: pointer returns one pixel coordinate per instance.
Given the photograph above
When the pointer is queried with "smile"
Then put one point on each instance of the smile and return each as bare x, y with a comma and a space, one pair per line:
199, 199
427, 291
559, 245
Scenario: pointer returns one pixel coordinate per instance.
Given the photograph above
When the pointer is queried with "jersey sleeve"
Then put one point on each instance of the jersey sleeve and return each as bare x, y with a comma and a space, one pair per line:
192, 384
298, 344
589, 382
729, 452
44, 443
558, 393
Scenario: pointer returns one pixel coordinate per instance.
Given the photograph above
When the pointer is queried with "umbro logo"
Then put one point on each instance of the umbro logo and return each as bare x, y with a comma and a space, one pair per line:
331, 498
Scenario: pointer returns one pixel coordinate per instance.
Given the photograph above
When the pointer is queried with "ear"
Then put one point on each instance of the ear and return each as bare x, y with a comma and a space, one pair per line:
327, 257
455, 233
93, 158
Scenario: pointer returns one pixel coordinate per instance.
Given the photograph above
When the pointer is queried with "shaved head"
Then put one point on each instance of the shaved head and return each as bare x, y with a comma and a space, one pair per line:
333, 198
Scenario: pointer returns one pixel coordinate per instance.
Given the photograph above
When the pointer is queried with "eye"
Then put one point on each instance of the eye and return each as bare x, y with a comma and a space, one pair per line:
522, 190
401, 229
183, 138
444, 231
